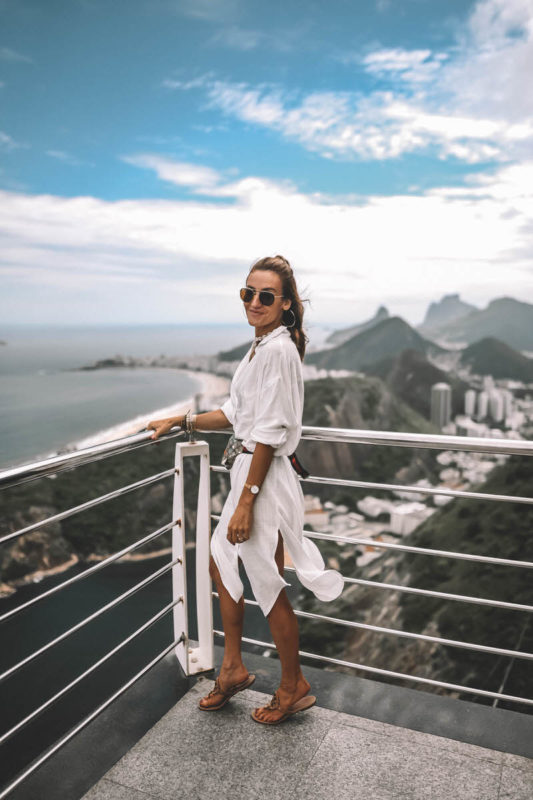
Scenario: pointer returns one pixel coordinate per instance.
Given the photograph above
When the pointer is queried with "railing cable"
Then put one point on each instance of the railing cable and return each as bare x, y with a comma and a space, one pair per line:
88, 671
399, 675
81, 575
138, 586
89, 504
70, 735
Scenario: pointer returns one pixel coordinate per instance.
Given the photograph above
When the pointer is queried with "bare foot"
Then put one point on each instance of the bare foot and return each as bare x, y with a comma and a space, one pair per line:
227, 678
287, 697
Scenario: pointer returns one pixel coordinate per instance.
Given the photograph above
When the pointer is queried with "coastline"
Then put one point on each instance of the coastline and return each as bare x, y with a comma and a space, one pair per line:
212, 392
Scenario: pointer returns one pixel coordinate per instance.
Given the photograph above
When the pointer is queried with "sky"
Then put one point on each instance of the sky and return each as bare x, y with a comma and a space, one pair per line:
152, 150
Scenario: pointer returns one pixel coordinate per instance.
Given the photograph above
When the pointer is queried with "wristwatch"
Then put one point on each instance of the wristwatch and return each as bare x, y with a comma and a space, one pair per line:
254, 488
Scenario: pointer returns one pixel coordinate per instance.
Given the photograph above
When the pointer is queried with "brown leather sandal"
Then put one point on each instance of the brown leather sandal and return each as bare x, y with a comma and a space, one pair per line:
226, 695
274, 704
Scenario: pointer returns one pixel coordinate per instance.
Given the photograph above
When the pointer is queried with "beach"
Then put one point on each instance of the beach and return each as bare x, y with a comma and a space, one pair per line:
212, 392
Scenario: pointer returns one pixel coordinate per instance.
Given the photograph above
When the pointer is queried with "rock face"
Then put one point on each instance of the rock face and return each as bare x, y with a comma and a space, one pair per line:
410, 376
359, 402
447, 310
338, 337
384, 340
41, 550
506, 319
489, 356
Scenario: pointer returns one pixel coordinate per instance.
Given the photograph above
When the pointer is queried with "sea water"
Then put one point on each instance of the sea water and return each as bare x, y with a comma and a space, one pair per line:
48, 403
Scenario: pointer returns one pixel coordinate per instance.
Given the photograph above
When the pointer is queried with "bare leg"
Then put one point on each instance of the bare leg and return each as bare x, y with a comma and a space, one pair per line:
232, 669
284, 628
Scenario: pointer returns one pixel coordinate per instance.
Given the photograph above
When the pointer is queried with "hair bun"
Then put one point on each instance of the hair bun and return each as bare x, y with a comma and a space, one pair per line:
282, 258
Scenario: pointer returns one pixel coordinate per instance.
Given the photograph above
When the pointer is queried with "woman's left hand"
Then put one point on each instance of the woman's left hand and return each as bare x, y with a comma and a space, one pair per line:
240, 524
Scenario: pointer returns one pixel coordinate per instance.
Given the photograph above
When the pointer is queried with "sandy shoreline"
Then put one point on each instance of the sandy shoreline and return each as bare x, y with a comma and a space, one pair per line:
212, 392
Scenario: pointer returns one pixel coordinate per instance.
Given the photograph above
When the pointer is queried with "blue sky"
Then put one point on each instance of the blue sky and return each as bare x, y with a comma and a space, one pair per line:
151, 150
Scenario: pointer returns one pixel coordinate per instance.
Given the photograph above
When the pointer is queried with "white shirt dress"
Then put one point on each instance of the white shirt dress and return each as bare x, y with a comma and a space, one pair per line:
266, 405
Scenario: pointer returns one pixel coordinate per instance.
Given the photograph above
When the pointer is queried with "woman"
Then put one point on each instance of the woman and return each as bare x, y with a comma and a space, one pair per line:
264, 508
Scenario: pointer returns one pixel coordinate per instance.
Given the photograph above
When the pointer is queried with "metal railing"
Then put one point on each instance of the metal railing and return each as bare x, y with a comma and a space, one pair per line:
192, 659
426, 441
200, 658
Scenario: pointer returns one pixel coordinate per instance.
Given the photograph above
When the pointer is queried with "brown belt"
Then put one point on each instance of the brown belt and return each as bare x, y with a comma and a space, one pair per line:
295, 464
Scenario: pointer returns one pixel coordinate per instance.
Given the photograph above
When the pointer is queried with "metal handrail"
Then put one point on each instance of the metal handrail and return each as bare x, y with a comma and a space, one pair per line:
89, 718
96, 501
40, 468
395, 587
425, 551
81, 575
400, 675
7, 735
348, 623
419, 440
90, 618
86, 455
429, 490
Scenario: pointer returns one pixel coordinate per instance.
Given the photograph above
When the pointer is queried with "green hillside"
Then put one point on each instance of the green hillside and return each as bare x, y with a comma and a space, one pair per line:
497, 529
508, 320
490, 356
386, 339
410, 376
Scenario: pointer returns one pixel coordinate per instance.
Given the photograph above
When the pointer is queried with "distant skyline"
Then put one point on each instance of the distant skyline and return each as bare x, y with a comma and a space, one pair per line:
151, 150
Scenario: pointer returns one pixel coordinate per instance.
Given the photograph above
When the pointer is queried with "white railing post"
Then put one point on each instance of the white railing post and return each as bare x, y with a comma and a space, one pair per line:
201, 657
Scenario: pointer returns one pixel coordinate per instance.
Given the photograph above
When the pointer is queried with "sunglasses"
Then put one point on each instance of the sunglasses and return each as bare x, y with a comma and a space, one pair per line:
266, 298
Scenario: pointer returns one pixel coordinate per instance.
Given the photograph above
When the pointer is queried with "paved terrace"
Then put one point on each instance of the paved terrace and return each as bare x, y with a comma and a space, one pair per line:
363, 739
319, 754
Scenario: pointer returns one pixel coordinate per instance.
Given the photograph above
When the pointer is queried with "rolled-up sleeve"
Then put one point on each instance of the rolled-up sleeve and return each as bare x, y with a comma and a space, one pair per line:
228, 410
275, 410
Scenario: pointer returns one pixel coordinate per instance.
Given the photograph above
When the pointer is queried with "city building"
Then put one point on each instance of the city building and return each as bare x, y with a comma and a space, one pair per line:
441, 404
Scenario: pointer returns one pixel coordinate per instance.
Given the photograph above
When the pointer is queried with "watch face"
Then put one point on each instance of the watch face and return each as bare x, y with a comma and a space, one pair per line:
254, 489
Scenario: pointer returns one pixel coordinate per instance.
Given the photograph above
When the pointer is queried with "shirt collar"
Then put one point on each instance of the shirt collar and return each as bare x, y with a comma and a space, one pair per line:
279, 331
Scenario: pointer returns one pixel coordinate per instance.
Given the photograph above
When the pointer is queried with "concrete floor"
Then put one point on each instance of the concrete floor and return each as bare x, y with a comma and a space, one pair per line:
317, 754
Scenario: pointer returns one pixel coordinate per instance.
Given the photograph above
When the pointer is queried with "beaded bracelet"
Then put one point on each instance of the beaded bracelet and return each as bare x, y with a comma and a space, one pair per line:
189, 422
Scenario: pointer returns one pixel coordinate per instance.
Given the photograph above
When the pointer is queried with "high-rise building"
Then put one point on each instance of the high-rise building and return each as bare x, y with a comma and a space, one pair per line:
482, 405
496, 405
441, 404
470, 403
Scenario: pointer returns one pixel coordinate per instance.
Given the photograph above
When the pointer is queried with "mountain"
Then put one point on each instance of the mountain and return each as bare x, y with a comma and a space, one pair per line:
480, 527
490, 356
447, 310
340, 336
387, 338
354, 402
410, 376
236, 353
463, 525
506, 319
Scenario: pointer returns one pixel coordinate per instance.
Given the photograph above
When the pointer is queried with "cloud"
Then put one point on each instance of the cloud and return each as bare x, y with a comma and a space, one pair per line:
380, 126
208, 10
67, 158
7, 54
246, 39
468, 103
182, 259
194, 176
7, 142
194, 83
411, 66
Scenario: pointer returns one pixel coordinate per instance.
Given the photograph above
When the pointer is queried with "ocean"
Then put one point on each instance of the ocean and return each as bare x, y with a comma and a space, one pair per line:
47, 403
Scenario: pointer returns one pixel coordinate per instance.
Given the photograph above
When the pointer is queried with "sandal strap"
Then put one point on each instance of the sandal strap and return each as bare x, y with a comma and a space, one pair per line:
274, 702
216, 689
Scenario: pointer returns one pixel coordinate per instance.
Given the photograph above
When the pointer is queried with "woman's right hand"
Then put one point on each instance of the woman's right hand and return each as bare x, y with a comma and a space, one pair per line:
161, 426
